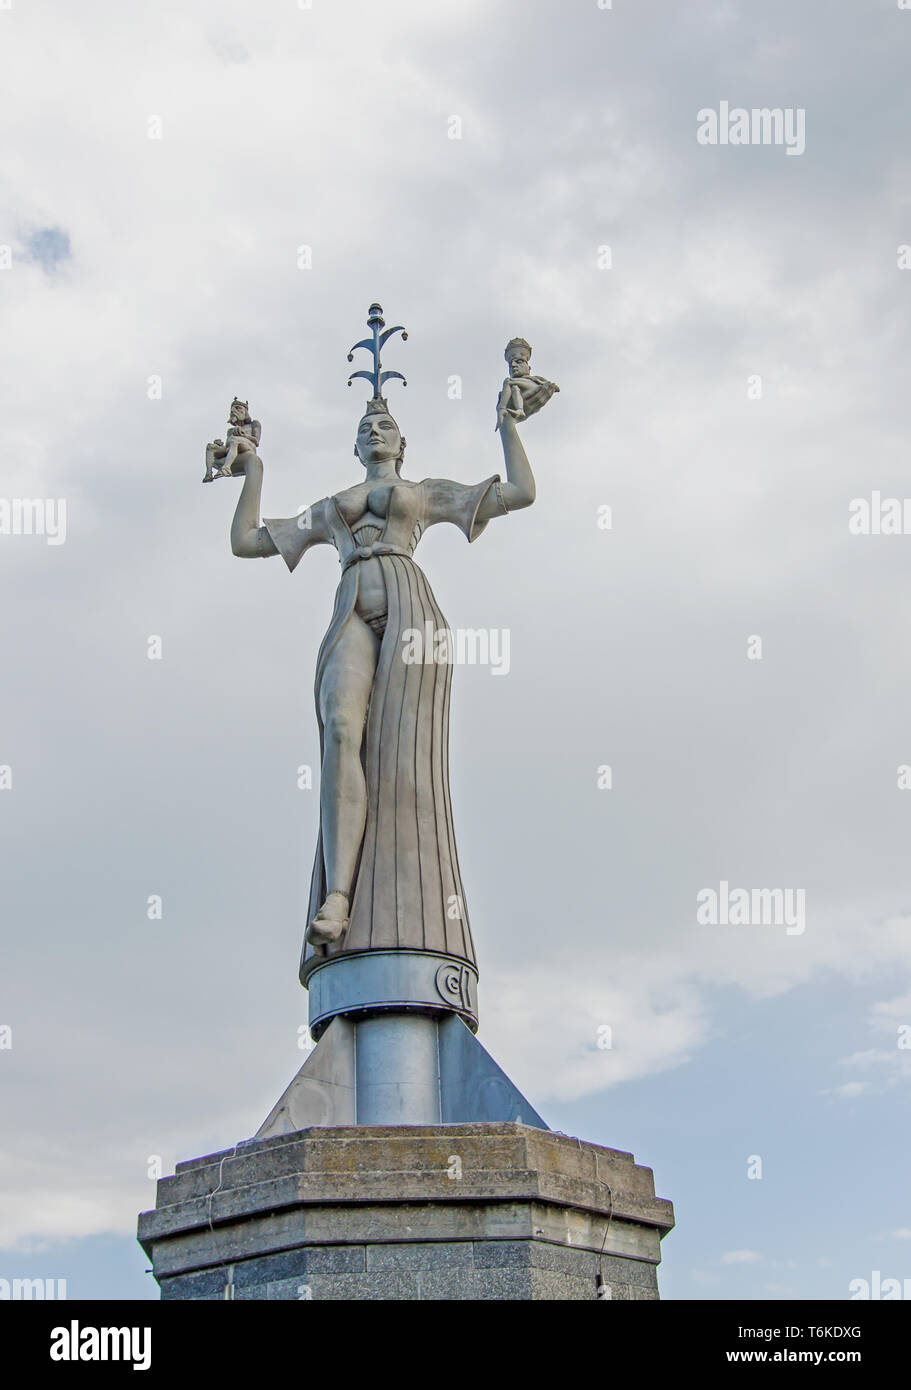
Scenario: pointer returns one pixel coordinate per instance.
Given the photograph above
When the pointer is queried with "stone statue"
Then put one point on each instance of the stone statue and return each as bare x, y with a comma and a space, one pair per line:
522, 393
243, 437
386, 872
355, 1149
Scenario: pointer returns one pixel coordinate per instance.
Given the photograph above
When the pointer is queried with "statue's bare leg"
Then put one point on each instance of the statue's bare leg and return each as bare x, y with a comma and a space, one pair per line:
228, 460
344, 699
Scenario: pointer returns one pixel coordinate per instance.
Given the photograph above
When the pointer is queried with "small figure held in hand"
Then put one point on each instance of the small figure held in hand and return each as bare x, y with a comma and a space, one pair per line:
243, 437
522, 394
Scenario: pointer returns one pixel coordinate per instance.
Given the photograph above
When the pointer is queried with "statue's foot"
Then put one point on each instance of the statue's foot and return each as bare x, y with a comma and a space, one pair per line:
330, 922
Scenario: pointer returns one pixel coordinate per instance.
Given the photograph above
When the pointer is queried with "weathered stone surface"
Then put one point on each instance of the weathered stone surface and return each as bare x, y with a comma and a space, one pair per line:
418, 1255
469, 1211
275, 1232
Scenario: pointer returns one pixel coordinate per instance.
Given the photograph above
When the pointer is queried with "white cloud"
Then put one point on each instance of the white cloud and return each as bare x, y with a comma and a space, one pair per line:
849, 1090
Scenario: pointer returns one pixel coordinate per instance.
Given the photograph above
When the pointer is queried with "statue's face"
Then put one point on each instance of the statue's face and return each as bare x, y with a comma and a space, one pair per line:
378, 439
237, 414
518, 366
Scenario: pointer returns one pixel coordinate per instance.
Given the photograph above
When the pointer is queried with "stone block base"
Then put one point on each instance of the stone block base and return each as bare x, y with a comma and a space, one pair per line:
471, 1211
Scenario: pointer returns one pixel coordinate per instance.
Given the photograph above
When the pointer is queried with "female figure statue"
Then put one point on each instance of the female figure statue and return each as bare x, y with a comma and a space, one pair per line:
386, 872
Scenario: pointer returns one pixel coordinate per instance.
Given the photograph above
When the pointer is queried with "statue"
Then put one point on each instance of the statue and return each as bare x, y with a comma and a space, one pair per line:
389, 965
522, 393
386, 872
243, 437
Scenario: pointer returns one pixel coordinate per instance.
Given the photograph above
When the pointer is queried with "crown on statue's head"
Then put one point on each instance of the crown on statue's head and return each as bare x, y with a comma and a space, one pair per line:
517, 347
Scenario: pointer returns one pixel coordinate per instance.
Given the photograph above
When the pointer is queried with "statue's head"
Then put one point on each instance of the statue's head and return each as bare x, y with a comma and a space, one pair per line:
518, 355
378, 437
239, 414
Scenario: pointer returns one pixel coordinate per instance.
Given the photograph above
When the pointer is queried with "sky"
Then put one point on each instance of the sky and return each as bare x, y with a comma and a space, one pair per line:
201, 200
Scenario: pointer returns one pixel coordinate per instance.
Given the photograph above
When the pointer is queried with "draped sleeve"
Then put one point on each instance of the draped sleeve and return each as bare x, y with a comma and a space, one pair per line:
445, 500
294, 535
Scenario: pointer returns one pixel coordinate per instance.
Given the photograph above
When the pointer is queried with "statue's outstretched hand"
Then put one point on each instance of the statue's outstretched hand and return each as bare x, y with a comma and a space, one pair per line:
536, 391
217, 466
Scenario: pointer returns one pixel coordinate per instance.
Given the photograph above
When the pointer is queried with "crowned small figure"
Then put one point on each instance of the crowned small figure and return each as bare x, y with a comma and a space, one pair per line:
522, 393
243, 437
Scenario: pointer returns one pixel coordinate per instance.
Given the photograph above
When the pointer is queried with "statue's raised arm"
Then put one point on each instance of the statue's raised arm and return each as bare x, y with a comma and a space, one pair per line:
238, 456
522, 395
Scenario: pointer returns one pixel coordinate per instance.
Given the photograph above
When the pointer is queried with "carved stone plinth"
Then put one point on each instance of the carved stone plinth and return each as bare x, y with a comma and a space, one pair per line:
462, 1211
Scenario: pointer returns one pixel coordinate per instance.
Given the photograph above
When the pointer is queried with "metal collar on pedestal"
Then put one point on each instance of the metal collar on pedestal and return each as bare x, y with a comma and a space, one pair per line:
367, 982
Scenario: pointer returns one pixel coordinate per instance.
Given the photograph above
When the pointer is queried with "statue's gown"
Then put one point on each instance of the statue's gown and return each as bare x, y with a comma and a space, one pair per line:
408, 890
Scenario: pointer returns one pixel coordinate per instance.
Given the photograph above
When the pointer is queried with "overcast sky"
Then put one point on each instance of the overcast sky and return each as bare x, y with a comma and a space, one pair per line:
179, 258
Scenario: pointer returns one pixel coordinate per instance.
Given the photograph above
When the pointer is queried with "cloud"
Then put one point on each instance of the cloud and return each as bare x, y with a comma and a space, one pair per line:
740, 1257
888, 1069
849, 1090
887, 1011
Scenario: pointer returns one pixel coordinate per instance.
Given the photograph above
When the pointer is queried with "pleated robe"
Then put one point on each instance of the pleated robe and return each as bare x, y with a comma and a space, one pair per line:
408, 891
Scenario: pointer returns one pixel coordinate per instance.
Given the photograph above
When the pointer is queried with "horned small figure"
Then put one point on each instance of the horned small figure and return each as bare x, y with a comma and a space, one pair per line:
243, 437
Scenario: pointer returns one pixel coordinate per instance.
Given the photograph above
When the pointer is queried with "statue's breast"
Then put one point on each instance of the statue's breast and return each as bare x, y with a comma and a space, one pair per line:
389, 512
394, 501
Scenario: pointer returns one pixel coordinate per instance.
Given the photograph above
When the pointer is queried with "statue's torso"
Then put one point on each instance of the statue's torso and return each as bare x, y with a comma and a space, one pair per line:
386, 511
392, 515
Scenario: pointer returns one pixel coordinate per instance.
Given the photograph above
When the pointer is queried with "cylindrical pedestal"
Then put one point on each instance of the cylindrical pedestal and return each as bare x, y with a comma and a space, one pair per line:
395, 999
397, 1070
